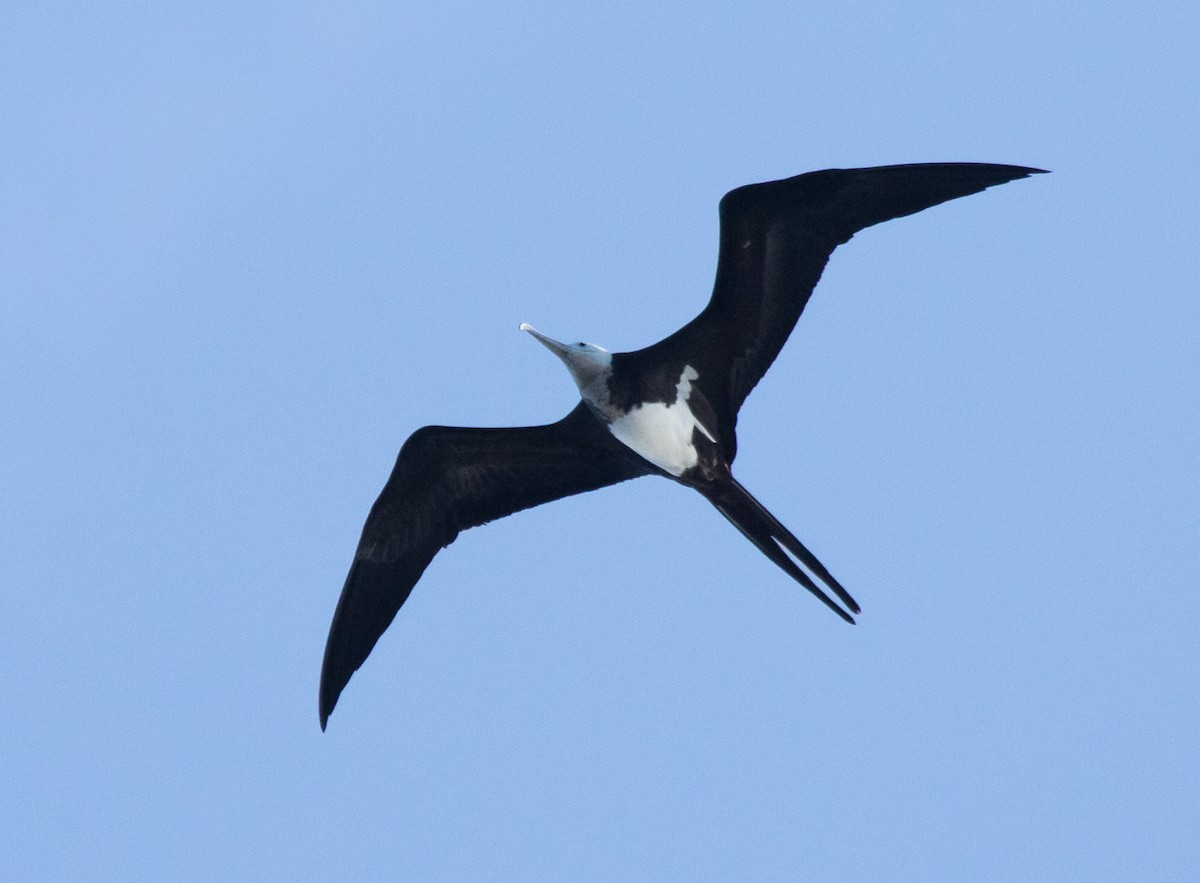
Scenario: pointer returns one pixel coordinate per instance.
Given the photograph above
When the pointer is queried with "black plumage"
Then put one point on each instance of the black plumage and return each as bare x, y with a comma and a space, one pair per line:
775, 240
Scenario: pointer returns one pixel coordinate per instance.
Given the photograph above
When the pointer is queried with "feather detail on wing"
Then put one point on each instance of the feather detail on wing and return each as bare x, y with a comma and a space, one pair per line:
446, 480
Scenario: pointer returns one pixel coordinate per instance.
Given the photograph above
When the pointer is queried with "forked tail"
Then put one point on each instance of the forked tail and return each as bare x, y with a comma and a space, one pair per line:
764, 530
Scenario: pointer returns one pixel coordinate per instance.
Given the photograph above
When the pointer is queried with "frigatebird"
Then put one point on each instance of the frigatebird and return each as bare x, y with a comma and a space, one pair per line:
669, 409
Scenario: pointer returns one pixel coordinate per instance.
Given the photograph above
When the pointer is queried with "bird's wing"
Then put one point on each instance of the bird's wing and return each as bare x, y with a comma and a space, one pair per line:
775, 240
448, 479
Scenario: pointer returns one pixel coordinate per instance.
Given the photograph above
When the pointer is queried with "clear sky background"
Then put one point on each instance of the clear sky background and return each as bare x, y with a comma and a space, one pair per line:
245, 250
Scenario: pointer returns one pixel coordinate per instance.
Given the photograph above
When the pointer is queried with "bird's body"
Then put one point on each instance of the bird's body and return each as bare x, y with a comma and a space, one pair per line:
669, 409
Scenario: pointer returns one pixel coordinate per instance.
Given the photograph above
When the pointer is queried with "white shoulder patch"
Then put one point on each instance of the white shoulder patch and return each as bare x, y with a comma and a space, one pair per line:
662, 433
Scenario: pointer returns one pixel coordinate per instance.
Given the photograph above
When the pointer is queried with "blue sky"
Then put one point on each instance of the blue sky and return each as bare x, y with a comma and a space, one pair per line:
246, 250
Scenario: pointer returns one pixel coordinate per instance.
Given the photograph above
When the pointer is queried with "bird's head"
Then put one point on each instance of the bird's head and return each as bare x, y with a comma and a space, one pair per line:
586, 361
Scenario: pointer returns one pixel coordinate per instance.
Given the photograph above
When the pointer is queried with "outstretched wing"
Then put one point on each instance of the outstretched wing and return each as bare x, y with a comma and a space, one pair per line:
448, 479
775, 240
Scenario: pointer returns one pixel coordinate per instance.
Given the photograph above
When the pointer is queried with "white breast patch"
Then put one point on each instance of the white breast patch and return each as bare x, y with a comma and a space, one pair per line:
662, 433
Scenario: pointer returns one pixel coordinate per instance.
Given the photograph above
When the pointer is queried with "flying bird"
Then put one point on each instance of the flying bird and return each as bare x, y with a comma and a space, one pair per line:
669, 409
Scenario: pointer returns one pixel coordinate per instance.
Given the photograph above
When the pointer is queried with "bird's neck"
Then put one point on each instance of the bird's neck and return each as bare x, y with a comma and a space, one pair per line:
596, 394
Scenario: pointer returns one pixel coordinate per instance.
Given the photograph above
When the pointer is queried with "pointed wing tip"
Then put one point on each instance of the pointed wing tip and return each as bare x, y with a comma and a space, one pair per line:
327, 704
327, 699
994, 174
1026, 171
325, 709
328, 693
